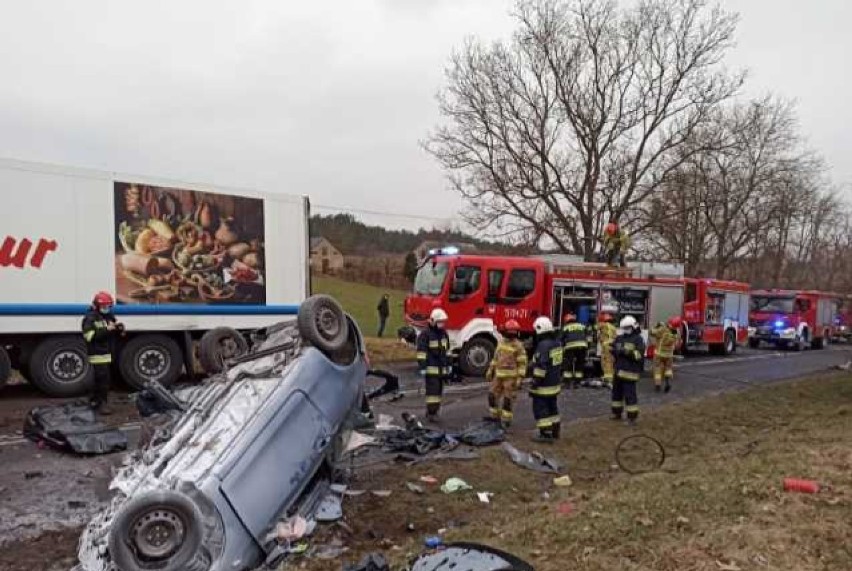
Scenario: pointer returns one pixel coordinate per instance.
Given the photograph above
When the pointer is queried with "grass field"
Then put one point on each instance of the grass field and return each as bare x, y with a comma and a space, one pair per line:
717, 504
360, 301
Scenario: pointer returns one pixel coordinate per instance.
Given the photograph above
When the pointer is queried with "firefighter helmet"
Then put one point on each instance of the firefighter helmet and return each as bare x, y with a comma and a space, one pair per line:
569, 317
103, 299
628, 322
438, 315
611, 228
675, 322
543, 325
512, 326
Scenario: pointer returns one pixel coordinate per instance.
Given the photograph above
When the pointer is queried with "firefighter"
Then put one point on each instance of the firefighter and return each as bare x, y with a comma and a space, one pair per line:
666, 338
99, 330
629, 352
576, 347
607, 332
508, 367
546, 372
433, 359
616, 242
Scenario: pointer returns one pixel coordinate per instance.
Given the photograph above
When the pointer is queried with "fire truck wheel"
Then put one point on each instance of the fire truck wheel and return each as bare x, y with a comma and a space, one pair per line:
753, 342
730, 344
820, 342
5, 367
476, 356
801, 342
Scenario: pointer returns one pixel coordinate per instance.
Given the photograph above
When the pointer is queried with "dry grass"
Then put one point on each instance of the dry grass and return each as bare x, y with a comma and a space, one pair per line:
387, 350
718, 504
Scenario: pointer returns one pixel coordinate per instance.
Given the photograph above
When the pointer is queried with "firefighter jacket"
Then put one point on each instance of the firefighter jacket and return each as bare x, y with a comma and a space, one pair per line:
665, 340
98, 337
620, 242
629, 352
433, 352
574, 336
607, 332
546, 367
510, 360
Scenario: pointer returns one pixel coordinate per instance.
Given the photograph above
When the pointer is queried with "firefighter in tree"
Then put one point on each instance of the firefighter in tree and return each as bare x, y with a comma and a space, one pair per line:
433, 359
616, 242
629, 351
99, 330
666, 338
508, 367
546, 372
607, 333
576, 347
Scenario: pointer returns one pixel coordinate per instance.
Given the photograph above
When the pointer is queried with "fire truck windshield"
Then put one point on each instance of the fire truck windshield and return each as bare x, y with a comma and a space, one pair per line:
430, 278
769, 304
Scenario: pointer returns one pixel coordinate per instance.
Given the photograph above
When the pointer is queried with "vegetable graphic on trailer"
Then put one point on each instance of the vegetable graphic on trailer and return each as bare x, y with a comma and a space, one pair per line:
182, 246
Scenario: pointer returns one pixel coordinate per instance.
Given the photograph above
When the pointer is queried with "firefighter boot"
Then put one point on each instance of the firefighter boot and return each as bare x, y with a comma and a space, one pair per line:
544, 436
668, 386
555, 430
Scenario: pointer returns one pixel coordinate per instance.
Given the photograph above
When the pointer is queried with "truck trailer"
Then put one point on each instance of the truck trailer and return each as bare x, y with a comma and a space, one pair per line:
188, 264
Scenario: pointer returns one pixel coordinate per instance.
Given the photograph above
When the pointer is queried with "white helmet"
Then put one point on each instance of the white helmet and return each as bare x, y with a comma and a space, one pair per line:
543, 325
628, 322
437, 316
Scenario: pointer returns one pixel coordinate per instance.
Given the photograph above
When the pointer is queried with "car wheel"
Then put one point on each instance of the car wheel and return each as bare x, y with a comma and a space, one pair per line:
160, 530
59, 366
5, 367
150, 358
322, 323
476, 356
217, 346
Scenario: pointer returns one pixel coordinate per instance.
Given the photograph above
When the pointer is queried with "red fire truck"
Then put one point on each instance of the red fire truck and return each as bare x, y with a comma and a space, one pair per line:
480, 293
793, 319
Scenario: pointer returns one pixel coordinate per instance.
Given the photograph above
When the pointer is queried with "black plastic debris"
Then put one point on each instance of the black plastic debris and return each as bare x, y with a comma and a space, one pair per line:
470, 557
370, 562
482, 434
156, 399
73, 428
532, 461
391, 384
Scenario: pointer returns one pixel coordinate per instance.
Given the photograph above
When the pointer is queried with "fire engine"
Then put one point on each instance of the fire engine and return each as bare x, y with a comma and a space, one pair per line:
793, 319
481, 293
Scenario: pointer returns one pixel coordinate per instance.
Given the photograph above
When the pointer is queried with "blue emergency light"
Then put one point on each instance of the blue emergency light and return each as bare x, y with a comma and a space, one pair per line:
779, 323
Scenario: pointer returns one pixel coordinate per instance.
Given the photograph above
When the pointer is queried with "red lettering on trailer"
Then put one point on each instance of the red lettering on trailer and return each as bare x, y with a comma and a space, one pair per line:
10, 255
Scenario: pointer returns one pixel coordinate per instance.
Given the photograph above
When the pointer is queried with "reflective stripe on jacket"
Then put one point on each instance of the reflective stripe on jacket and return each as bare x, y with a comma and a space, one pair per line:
574, 336
629, 352
546, 367
433, 352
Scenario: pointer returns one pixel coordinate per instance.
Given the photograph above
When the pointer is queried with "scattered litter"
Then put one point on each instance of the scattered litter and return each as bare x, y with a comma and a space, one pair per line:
682, 520
453, 485
409, 527
644, 521
385, 422
483, 434
330, 551
415, 488
562, 481
329, 509
33, 475
381, 493
354, 493
357, 440
532, 461
291, 530
802, 486
391, 384
338, 488
845, 366
639, 454
565, 508
444, 453
484, 497
429, 480
73, 428
469, 556
727, 566
433, 542
370, 562
430, 510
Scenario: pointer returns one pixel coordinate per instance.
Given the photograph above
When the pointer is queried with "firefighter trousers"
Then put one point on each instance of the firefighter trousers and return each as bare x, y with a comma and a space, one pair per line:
434, 391
574, 367
663, 368
501, 397
607, 364
546, 413
103, 378
624, 393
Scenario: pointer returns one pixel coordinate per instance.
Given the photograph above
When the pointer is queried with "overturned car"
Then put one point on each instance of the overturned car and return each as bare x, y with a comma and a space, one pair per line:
256, 443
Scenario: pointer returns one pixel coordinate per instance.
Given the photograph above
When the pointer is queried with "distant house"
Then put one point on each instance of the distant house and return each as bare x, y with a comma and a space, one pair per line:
421, 251
325, 257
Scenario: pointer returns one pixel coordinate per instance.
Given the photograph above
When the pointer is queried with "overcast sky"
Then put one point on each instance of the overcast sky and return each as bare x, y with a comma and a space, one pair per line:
323, 98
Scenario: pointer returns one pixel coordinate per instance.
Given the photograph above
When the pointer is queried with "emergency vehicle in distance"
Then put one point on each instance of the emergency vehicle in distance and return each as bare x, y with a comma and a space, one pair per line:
481, 293
791, 319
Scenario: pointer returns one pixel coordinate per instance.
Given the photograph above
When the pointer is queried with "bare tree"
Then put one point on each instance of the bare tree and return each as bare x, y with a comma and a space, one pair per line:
582, 115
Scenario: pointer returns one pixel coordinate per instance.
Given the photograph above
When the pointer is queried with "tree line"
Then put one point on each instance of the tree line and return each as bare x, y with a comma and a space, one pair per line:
595, 112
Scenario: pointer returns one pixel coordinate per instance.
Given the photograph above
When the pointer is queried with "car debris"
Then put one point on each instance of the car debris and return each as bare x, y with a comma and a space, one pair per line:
563, 481
390, 386
257, 444
72, 427
330, 508
470, 556
485, 497
453, 485
532, 461
415, 488
370, 562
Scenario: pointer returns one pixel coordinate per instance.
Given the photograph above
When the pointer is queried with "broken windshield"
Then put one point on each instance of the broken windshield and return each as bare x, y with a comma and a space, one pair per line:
769, 304
430, 278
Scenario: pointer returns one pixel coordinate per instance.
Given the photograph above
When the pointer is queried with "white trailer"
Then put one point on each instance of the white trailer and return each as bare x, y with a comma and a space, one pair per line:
182, 259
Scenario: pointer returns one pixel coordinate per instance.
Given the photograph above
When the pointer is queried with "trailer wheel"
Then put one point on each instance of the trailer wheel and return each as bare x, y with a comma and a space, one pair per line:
475, 356
161, 530
150, 358
59, 366
217, 346
323, 324
5, 367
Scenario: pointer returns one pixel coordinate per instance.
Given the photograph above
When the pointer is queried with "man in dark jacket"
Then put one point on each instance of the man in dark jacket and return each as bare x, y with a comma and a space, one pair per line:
629, 352
384, 312
546, 371
99, 330
433, 360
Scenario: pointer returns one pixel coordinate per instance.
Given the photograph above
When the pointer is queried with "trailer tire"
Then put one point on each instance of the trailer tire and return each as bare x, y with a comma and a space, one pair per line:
323, 324
217, 346
5, 367
177, 525
150, 357
475, 356
59, 366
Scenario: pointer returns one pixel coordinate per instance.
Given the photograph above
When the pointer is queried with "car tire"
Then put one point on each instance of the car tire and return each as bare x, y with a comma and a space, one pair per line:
59, 366
475, 356
150, 357
162, 530
820, 342
217, 346
323, 324
5, 367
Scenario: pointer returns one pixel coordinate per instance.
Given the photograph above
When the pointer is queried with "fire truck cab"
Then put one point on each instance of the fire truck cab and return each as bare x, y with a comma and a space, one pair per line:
715, 315
792, 319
